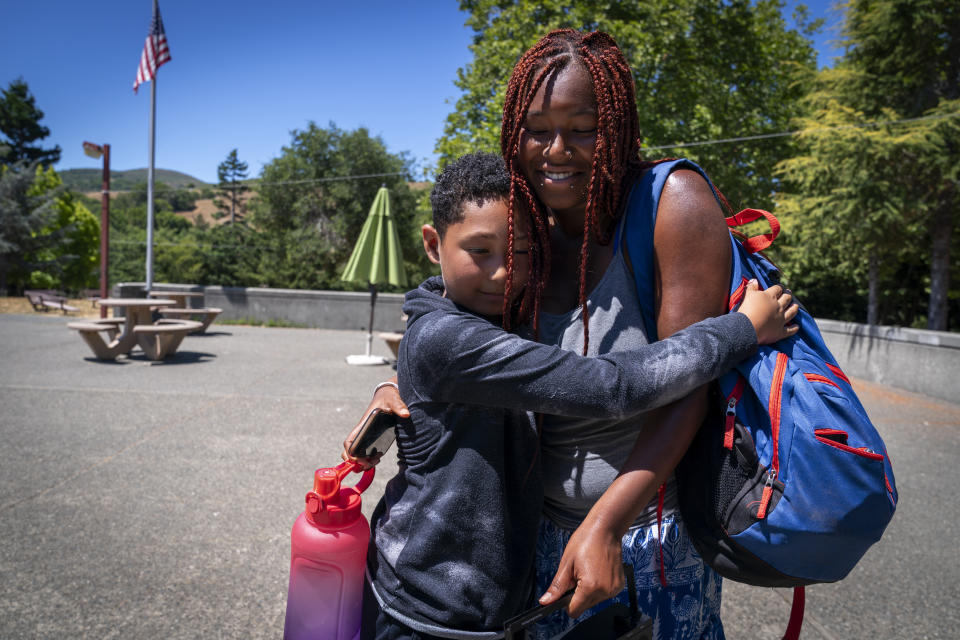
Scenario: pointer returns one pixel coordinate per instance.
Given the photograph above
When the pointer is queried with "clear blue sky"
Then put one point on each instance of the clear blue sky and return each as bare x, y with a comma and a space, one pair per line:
243, 74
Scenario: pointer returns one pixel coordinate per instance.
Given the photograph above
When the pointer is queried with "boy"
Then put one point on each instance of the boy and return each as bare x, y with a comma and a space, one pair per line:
454, 535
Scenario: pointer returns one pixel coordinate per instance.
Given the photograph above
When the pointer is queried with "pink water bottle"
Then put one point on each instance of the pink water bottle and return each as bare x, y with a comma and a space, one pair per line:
327, 559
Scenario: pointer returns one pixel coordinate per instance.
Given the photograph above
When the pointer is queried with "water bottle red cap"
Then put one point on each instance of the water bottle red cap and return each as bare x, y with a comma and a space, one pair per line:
333, 505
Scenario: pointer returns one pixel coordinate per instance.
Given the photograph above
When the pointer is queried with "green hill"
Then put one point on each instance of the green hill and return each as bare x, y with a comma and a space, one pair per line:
91, 179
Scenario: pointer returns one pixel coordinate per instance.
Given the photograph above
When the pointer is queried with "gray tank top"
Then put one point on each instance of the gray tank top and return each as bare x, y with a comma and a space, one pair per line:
582, 456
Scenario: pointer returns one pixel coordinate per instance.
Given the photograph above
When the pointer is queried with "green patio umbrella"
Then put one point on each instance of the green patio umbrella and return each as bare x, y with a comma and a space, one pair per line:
376, 259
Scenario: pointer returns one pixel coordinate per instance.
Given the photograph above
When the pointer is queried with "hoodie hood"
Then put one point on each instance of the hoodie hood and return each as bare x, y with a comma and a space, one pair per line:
426, 298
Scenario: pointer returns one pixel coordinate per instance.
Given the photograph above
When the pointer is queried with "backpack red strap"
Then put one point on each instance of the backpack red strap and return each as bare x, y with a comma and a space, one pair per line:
796, 615
761, 242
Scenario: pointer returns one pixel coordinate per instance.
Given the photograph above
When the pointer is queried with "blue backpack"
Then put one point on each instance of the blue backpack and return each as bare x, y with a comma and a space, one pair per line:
787, 482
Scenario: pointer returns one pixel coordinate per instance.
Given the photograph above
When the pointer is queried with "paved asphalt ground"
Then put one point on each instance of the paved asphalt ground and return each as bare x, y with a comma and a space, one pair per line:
154, 500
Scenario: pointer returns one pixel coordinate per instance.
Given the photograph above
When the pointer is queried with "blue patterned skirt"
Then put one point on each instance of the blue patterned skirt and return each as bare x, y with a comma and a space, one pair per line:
688, 608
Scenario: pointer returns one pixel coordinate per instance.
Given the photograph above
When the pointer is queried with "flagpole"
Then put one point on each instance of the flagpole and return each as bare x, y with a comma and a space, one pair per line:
153, 118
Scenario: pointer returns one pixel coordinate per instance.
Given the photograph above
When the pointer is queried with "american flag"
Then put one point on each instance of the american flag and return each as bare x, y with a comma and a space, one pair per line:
155, 50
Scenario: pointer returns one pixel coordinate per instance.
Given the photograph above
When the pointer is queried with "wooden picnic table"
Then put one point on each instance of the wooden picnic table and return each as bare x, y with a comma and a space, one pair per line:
157, 340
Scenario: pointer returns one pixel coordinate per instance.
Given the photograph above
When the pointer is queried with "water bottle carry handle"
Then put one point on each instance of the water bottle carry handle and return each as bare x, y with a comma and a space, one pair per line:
365, 480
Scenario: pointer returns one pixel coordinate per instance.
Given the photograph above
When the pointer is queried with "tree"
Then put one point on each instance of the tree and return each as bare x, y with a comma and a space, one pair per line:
844, 204
895, 185
71, 262
704, 70
909, 54
20, 127
325, 181
24, 214
230, 174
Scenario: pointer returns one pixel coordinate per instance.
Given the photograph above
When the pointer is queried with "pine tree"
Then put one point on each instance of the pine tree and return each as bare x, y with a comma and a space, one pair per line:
230, 173
20, 127
876, 204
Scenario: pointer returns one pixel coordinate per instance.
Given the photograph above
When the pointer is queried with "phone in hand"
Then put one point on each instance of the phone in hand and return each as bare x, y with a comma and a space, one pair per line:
376, 435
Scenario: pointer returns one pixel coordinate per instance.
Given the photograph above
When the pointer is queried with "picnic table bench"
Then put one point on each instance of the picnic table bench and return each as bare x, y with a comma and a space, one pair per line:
44, 300
183, 311
162, 338
158, 340
393, 341
203, 316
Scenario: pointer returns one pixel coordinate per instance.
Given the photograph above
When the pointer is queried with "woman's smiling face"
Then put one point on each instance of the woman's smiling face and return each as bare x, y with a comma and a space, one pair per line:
558, 141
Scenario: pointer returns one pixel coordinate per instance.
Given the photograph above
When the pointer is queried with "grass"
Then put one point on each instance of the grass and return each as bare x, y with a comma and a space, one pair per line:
254, 322
20, 304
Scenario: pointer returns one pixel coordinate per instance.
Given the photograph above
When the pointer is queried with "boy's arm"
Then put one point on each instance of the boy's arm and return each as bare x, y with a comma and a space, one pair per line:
458, 357
690, 223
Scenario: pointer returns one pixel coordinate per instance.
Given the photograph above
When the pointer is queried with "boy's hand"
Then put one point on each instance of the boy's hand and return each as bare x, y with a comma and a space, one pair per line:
593, 562
387, 400
769, 312
365, 463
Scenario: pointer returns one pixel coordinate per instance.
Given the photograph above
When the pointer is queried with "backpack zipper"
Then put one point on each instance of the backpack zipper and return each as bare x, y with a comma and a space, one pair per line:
731, 413
776, 397
767, 494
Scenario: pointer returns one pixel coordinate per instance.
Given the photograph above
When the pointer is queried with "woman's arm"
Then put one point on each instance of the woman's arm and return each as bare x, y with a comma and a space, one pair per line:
461, 358
692, 262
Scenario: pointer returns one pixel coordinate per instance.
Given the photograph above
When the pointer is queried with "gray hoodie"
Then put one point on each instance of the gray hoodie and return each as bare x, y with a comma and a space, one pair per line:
454, 535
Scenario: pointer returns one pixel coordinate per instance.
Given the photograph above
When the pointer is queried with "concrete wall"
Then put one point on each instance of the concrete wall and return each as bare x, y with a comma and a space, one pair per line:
927, 362
321, 309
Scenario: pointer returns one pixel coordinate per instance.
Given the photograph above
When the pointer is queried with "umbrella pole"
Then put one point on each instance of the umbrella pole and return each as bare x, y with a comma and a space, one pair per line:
373, 304
369, 358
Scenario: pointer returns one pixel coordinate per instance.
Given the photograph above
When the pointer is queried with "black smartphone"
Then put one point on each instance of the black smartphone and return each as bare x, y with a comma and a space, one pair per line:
376, 435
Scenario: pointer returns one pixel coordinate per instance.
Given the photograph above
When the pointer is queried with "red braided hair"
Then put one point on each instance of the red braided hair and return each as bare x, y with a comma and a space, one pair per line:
616, 157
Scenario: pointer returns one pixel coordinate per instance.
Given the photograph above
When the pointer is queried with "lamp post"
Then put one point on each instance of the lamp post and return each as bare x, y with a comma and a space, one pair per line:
95, 151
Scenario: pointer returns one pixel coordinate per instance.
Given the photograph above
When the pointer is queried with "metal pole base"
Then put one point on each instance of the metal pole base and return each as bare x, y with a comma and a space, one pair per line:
366, 360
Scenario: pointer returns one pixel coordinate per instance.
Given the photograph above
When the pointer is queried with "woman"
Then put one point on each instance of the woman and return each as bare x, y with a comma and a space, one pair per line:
570, 139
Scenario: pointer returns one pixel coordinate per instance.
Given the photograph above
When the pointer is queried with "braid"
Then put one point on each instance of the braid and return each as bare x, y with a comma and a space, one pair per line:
616, 158
509, 288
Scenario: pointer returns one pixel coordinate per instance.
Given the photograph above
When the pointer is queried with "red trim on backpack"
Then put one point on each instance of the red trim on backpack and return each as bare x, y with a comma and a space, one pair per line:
773, 407
857, 451
660, 494
737, 296
760, 242
731, 417
832, 434
776, 398
837, 372
816, 377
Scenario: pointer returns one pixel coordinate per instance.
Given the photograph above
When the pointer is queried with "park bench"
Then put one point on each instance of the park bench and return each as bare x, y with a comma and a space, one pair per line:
44, 300
93, 295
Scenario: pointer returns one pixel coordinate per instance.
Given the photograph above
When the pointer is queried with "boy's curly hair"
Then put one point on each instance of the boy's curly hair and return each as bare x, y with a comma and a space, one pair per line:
475, 177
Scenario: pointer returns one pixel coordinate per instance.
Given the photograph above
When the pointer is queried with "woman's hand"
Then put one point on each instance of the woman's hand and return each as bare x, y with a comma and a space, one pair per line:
593, 563
387, 399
